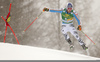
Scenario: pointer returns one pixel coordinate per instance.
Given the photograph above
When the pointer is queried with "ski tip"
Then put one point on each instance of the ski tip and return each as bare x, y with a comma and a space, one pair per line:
1, 16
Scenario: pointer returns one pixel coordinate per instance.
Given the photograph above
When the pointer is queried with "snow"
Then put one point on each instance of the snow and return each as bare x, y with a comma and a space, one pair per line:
1, 6
20, 52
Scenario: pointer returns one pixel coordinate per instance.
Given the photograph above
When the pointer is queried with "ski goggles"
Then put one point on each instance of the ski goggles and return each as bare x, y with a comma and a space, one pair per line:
69, 8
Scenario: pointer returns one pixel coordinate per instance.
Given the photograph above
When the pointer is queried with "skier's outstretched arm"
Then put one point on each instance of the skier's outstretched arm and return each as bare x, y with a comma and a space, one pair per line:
56, 11
78, 20
52, 10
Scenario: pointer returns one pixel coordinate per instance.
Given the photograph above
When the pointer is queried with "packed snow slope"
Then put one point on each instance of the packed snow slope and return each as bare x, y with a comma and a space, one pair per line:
19, 52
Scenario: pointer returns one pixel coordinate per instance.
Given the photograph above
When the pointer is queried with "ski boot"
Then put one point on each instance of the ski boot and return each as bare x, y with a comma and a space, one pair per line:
84, 47
70, 42
71, 46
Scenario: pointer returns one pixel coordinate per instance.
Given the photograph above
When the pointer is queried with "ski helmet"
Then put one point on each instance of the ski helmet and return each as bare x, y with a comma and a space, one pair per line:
69, 5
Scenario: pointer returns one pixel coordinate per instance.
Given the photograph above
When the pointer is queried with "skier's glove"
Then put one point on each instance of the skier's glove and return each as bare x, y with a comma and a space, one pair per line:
79, 28
46, 9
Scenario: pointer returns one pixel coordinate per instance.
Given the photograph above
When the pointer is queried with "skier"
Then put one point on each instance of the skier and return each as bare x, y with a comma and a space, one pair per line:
67, 23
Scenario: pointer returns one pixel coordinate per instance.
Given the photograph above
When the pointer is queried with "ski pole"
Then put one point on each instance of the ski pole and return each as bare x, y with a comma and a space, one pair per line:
33, 21
87, 37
